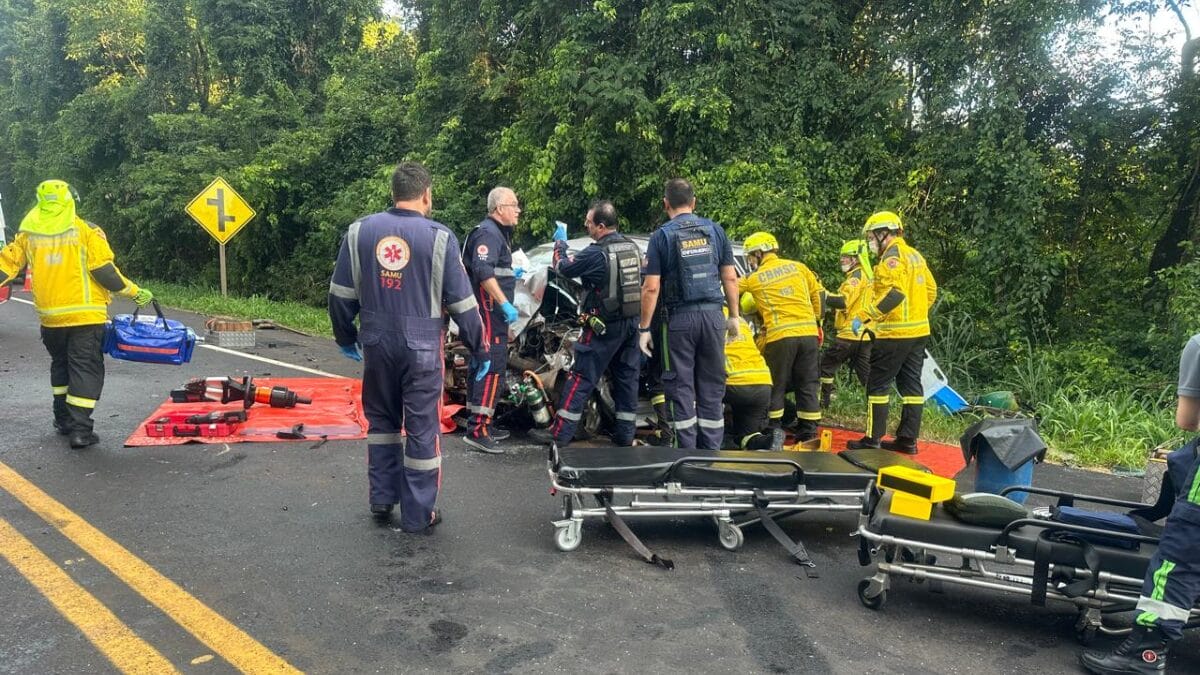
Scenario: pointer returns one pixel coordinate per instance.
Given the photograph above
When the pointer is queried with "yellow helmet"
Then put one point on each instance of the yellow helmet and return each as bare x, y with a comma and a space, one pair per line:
882, 220
760, 241
852, 248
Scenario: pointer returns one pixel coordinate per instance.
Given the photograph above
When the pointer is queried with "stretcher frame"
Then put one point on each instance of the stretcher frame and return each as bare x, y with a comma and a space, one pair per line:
915, 561
673, 499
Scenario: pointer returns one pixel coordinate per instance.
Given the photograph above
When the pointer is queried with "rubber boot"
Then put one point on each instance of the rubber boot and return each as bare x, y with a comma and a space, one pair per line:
1144, 651
902, 444
62, 416
826, 395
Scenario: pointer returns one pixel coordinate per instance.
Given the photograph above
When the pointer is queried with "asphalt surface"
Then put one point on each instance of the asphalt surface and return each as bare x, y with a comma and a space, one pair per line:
276, 539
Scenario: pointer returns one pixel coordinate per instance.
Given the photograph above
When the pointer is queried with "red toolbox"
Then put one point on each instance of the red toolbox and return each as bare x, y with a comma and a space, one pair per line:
196, 423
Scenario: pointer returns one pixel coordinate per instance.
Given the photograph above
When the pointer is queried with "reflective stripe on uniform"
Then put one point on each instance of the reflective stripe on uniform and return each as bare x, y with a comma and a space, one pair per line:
1162, 610
627, 416
56, 311
810, 416
568, 415
912, 400
437, 273
878, 399
355, 264
384, 438
482, 410
1194, 493
417, 464
466, 304
81, 402
746, 439
684, 424
658, 399
343, 292
775, 414
503, 272
826, 380
711, 424
60, 391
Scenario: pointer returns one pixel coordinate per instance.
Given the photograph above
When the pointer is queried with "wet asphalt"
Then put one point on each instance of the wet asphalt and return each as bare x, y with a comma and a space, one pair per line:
275, 537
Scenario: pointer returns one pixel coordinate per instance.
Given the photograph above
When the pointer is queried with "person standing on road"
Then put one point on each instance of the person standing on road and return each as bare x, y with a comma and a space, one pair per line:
748, 395
690, 262
848, 301
487, 256
788, 297
610, 272
897, 311
400, 273
73, 277
1171, 586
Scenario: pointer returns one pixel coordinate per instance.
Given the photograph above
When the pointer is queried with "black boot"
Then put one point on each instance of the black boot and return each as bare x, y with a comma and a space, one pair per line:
663, 435
863, 443
902, 444
826, 395
1144, 651
62, 416
82, 439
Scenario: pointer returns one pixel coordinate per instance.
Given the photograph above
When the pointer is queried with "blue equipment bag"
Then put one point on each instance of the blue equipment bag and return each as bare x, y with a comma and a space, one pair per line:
1102, 520
149, 339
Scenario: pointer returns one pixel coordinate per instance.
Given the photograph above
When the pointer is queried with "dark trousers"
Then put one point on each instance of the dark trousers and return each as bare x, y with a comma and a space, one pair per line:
402, 389
664, 434
481, 395
694, 377
1172, 583
76, 373
794, 363
900, 361
856, 352
748, 404
617, 352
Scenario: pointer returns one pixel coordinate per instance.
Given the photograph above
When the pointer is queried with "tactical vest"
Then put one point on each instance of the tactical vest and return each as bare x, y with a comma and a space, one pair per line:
622, 296
695, 276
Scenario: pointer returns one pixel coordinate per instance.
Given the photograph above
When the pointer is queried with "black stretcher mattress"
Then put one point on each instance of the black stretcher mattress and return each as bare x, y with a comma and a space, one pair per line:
647, 466
944, 530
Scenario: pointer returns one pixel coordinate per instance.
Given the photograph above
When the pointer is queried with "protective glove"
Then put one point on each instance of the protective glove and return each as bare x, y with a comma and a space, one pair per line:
510, 312
480, 368
820, 336
560, 232
351, 352
731, 329
143, 297
645, 340
856, 325
518, 272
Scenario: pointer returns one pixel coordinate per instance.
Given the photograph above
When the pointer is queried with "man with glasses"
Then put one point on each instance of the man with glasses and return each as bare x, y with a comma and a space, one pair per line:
487, 255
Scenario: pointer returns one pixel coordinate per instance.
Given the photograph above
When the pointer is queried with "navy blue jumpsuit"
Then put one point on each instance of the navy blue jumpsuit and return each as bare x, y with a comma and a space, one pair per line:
400, 273
616, 351
1172, 584
687, 253
488, 255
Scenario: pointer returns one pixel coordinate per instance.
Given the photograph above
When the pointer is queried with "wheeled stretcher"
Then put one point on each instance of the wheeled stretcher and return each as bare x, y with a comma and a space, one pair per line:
653, 482
1037, 557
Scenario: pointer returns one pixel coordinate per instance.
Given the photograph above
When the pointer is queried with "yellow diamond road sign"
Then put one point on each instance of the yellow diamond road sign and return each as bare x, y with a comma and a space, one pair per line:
220, 210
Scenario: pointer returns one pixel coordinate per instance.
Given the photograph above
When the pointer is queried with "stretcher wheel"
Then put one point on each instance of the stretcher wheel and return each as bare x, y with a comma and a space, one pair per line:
730, 536
568, 538
870, 601
1085, 635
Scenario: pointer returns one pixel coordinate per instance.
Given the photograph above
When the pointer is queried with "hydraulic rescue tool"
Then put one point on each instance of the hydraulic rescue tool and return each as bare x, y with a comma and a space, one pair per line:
227, 389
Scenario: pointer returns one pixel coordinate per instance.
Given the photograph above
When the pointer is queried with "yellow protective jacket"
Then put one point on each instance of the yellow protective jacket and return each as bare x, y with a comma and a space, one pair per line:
64, 292
788, 297
856, 290
744, 365
902, 294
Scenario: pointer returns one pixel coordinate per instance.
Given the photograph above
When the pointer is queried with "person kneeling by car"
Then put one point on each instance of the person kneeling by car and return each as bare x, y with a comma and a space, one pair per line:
610, 272
748, 395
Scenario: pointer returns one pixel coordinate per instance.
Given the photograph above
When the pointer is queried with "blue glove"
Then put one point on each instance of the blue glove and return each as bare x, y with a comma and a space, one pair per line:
480, 368
518, 272
510, 312
560, 232
352, 352
856, 326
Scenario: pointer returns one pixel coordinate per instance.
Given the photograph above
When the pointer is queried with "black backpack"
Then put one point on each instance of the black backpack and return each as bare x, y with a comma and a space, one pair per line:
622, 298
697, 277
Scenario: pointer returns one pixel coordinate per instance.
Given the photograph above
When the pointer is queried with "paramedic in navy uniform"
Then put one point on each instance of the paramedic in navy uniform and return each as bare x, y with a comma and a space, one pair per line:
401, 273
690, 260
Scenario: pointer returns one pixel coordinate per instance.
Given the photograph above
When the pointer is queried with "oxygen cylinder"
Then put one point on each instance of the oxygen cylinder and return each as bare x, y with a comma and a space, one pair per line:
536, 402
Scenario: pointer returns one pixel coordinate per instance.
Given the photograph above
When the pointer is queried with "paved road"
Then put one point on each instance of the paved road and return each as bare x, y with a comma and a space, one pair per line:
267, 553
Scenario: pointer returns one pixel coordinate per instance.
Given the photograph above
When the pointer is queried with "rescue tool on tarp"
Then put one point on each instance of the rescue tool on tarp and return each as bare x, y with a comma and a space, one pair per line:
227, 389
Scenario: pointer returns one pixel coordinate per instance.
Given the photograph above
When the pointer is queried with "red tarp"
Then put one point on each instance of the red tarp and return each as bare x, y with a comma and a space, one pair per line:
336, 413
942, 459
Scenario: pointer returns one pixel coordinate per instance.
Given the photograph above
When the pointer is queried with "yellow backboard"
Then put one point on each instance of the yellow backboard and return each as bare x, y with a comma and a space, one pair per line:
220, 210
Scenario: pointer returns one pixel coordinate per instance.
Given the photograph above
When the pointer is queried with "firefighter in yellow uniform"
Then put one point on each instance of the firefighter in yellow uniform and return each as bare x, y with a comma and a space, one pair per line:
897, 312
788, 297
848, 301
73, 276
748, 395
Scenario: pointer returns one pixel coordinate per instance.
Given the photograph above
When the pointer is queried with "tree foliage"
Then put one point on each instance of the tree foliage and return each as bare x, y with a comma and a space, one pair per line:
1050, 177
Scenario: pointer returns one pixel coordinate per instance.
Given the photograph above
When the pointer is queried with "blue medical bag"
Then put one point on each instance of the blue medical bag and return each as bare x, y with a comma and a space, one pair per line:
148, 339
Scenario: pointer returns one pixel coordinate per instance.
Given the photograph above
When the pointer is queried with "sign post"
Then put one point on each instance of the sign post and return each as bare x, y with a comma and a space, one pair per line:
222, 212
5, 290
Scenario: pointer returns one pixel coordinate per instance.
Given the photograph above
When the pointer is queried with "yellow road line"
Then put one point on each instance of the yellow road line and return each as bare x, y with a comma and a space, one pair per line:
227, 640
128, 652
